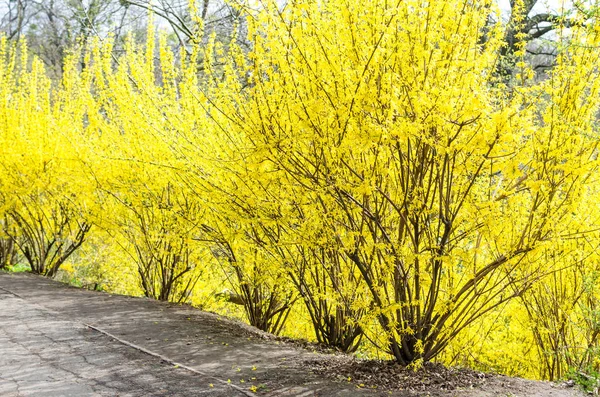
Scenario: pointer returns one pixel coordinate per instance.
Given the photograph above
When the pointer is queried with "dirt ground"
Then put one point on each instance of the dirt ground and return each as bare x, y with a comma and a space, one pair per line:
57, 340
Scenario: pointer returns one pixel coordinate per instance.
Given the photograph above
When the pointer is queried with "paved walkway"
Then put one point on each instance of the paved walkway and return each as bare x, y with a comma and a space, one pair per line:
61, 341
44, 354
56, 340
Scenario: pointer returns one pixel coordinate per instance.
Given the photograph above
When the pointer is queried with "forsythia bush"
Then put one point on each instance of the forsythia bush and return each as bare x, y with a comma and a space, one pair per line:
363, 168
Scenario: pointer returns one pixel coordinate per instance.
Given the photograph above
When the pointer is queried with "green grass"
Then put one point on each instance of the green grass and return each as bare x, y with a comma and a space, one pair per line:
19, 268
588, 381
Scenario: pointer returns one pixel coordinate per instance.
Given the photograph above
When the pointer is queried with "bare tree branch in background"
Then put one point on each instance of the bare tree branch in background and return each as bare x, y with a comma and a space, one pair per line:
16, 16
538, 27
53, 26
218, 17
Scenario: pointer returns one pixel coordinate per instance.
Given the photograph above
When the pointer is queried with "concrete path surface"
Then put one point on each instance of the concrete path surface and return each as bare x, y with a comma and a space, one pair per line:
44, 354
57, 340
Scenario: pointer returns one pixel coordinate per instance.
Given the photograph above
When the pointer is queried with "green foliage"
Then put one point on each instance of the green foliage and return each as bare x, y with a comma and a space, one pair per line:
588, 381
18, 268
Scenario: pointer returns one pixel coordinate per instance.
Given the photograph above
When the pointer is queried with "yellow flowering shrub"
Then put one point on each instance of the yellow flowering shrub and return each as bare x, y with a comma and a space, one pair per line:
361, 175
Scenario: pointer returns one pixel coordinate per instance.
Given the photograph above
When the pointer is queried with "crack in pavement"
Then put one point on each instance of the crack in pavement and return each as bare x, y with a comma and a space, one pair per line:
170, 361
